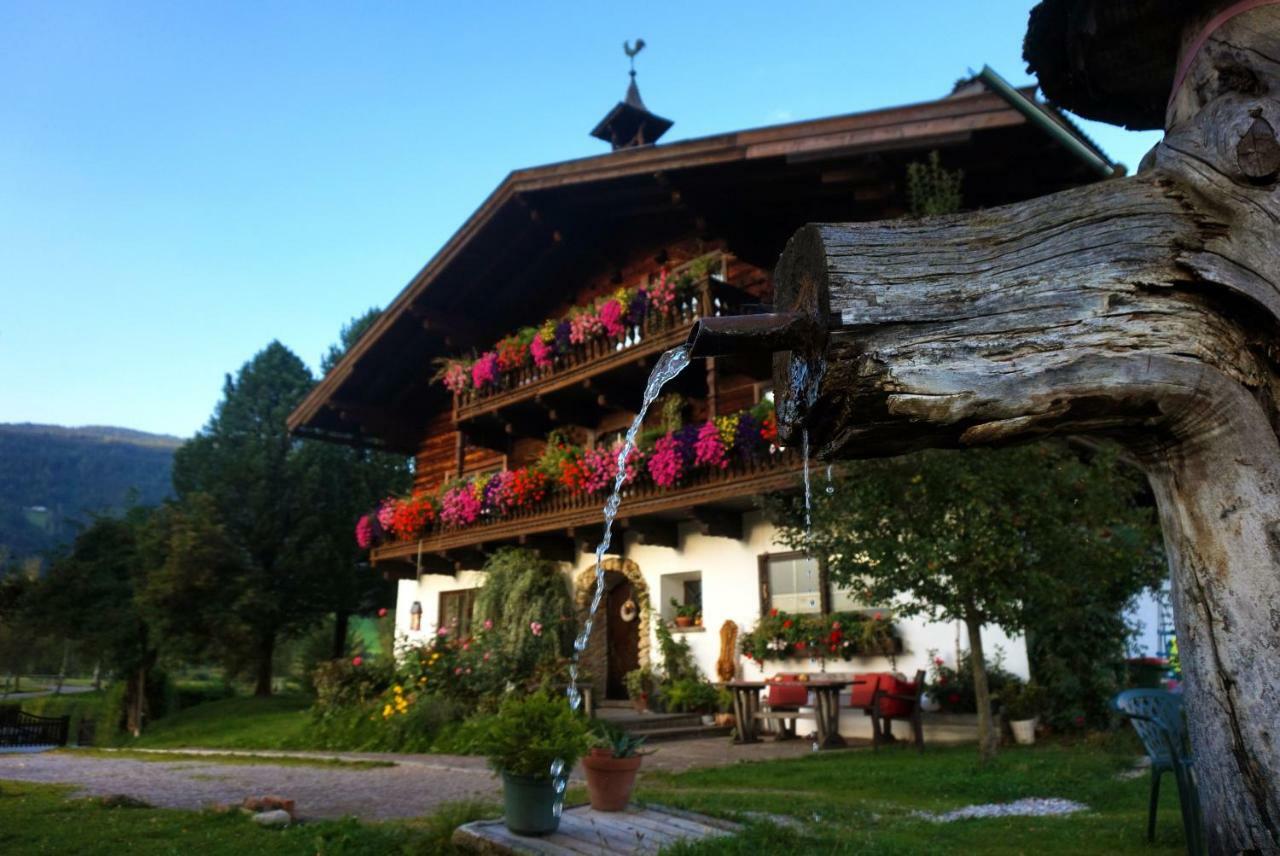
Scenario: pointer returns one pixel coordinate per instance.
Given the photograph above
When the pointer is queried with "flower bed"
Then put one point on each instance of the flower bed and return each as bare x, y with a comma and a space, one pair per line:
564, 468
608, 318
835, 636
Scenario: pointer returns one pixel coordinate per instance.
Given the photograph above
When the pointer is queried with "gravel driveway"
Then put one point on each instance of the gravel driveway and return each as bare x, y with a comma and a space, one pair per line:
409, 789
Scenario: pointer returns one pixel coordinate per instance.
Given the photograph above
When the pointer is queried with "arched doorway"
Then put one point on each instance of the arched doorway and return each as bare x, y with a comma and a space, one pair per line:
619, 640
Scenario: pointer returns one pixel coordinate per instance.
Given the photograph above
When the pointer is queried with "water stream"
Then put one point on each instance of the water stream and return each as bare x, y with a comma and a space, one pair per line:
668, 366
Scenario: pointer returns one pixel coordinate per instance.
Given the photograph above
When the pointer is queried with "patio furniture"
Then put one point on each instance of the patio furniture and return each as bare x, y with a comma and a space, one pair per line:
786, 695
893, 699
1157, 717
826, 709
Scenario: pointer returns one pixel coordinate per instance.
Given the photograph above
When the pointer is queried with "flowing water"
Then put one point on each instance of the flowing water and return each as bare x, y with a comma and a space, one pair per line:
669, 365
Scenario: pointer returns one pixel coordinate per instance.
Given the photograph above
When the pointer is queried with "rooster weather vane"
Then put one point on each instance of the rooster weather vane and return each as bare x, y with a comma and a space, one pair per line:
631, 53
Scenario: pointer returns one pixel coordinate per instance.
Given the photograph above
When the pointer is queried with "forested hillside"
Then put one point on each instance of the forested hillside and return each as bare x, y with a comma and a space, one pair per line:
53, 478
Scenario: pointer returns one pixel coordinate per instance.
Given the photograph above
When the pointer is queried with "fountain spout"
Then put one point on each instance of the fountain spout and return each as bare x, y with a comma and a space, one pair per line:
752, 334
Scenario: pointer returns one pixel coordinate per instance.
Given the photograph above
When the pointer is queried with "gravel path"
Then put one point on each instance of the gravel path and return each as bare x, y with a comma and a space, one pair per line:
414, 787
409, 789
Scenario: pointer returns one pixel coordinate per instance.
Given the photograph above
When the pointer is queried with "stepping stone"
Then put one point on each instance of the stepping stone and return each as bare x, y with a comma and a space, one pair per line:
586, 832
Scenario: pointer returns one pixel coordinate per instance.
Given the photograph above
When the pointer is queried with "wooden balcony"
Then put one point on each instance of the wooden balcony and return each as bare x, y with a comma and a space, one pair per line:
594, 378
567, 524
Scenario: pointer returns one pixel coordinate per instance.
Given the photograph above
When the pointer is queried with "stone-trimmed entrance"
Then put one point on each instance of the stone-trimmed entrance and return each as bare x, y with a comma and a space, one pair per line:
595, 659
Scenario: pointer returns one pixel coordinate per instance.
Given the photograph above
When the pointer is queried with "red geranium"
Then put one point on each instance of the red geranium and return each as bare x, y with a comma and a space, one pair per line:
769, 428
786, 625
411, 516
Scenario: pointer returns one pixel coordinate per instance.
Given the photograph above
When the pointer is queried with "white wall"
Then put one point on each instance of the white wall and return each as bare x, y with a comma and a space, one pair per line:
730, 590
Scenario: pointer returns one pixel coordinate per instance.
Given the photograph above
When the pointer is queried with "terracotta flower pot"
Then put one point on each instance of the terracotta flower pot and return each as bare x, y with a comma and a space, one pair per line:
683, 621
641, 703
610, 780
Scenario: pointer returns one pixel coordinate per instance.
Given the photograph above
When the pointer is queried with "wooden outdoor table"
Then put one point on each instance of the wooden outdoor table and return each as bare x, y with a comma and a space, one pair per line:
826, 709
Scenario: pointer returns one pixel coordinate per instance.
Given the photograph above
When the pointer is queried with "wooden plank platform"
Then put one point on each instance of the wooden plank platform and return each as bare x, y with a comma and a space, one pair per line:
586, 832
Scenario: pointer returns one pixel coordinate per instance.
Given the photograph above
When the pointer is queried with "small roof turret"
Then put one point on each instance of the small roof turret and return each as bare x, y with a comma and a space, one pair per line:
630, 123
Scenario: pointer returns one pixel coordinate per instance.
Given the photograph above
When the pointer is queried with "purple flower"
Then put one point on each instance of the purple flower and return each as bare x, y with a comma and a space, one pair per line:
686, 441
563, 330
746, 439
639, 306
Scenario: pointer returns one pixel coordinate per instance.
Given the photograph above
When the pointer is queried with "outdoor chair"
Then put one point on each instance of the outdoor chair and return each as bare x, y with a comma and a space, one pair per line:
893, 699
1157, 717
787, 694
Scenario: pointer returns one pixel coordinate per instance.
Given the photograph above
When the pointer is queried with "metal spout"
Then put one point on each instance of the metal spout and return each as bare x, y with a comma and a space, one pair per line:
722, 335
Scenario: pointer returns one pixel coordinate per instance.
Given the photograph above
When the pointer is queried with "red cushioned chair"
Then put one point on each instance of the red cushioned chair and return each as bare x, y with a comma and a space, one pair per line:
893, 699
787, 694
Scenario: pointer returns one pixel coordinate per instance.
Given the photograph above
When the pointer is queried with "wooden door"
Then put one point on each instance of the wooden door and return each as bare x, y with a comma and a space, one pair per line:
623, 639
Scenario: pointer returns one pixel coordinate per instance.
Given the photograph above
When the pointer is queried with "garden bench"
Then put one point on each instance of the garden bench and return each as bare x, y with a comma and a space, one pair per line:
884, 697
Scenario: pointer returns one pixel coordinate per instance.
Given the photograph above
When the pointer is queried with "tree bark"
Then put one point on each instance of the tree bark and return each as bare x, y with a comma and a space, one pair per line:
266, 655
1143, 310
988, 739
341, 621
135, 701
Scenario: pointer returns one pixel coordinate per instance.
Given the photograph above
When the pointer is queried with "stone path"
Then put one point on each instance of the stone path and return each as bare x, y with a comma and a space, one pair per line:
415, 786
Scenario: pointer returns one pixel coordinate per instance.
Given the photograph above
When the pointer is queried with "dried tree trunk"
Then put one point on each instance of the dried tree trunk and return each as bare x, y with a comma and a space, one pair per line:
1143, 310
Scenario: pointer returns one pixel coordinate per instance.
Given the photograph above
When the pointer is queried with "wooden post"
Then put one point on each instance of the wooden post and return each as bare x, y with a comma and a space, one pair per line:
1144, 311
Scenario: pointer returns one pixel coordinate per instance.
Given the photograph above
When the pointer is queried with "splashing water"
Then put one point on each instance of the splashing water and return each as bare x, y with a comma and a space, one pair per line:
669, 365
831, 489
808, 490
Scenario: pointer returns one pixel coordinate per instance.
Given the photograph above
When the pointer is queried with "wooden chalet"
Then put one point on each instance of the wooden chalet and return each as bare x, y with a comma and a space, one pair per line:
552, 237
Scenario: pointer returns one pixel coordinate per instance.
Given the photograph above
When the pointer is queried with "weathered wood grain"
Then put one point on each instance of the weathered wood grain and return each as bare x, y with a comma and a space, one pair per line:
1144, 311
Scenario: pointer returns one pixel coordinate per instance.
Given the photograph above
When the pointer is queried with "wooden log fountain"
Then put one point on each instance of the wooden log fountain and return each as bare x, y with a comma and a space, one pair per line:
1141, 310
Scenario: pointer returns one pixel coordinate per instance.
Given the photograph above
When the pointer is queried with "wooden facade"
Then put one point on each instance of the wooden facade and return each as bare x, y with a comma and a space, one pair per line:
559, 236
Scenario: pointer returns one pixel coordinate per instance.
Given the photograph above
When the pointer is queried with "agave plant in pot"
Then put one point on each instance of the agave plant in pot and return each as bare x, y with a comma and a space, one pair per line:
611, 768
522, 742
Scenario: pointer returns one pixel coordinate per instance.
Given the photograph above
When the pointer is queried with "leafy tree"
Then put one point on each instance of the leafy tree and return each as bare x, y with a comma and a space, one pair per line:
89, 598
341, 483
247, 465
980, 536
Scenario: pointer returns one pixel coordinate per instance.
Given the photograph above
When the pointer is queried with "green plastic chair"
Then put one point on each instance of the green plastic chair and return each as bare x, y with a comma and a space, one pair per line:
1157, 717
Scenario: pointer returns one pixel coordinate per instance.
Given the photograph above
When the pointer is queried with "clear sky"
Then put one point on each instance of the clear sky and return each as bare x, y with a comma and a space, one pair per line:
180, 183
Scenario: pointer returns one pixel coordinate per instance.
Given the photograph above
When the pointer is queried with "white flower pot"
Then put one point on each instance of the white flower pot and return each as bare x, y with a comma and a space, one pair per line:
1024, 731
708, 719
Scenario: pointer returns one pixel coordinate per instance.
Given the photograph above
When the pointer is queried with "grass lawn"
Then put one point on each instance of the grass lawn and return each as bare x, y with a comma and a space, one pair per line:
40, 819
274, 722
863, 802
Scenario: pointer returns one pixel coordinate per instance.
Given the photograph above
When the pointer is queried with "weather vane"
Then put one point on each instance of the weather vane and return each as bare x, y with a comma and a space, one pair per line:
631, 53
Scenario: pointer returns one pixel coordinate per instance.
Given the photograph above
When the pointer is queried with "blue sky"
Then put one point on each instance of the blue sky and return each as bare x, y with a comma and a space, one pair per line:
180, 183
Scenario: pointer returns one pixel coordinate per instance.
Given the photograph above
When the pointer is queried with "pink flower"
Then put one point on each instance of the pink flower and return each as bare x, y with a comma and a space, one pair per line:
357, 661
488, 624
386, 513
708, 449
535, 627
835, 625
611, 318
457, 377
584, 326
486, 656
466, 646
938, 661
364, 533
484, 372
666, 464
442, 631
543, 352
458, 670
879, 616
382, 613
460, 506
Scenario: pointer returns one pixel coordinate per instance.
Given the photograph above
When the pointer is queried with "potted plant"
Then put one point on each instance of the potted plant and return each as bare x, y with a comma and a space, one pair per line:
724, 708
692, 696
639, 687
522, 742
1022, 705
686, 613
611, 768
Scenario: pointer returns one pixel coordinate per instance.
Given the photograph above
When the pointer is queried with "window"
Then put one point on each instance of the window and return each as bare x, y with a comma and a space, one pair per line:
791, 582
684, 588
455, 610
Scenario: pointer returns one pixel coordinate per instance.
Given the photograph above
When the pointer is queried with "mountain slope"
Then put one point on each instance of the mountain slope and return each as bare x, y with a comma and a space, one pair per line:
53, 477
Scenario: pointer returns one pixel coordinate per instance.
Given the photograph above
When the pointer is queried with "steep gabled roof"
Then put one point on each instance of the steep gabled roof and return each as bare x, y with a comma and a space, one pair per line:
509, 263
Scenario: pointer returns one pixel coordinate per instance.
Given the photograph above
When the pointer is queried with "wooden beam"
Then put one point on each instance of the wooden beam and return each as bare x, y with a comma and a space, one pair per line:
719, 523
656, 531
551, 547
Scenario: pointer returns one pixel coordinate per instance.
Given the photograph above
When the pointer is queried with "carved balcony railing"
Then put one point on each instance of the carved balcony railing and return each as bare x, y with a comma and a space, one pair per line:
569, 380
715, 498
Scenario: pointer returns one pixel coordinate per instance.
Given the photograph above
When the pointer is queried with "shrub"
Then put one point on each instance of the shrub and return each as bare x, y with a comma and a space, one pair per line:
953, 689
339, 684
1023, 701
529, 734
690, 696
677, 660
640, 682
527, 605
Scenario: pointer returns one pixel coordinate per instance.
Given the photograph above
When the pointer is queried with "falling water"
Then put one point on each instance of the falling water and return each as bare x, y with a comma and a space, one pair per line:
669, 365
831, 489
808, 491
